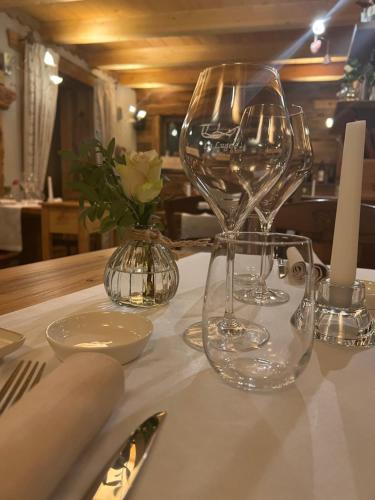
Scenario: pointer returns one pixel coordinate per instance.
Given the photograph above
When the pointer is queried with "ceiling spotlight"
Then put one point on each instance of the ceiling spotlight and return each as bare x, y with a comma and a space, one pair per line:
132, 108
56, 79
141, 114
49, 60
318, 27
174, 132
329, 122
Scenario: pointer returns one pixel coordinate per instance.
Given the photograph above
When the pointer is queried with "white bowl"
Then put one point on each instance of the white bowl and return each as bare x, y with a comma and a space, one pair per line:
120, 335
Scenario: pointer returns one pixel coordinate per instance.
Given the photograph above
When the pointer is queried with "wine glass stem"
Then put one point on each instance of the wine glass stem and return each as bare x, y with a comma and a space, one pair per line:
229, 280
265, 226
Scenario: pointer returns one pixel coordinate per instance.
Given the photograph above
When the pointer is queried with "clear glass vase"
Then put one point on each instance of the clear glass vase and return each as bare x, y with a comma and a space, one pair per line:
141, 274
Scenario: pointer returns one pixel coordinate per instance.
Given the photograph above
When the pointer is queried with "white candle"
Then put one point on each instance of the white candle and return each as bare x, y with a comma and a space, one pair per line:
345, 240
50, 188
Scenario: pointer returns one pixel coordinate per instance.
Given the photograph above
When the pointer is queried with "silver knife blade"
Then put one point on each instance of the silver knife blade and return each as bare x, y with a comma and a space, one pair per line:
118, 476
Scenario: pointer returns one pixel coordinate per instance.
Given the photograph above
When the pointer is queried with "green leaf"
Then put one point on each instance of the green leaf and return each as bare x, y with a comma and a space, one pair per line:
85, 148
87, 191
118, 208
126, 220
83, 214
91, 213
100, 211
96, 175
111, 148
107, 224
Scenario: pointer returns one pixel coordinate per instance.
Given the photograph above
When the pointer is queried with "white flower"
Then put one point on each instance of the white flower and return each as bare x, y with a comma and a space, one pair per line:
348, 68
140, 177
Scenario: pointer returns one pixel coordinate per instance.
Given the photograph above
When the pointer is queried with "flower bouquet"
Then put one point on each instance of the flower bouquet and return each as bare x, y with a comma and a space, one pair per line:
122, 192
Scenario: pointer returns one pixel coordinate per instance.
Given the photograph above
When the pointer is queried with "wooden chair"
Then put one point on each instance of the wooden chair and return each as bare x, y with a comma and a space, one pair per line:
63, 219
187, 205
316, 219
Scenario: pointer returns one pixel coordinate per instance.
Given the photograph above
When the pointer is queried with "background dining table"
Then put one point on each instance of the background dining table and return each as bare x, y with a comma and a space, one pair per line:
314, 440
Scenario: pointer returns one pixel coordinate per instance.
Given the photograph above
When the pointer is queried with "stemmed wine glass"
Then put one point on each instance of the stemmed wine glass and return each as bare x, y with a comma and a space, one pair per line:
299, 165
233, 182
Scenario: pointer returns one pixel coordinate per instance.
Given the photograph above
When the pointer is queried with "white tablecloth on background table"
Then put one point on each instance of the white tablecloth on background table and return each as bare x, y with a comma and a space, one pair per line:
315, 440
11, 226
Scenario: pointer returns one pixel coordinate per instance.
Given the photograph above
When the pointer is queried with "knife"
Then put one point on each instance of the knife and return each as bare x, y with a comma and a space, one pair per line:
119, 474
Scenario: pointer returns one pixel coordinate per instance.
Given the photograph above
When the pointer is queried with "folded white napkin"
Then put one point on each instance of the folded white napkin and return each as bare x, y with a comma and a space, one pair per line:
43, 434
297, 265
10, 228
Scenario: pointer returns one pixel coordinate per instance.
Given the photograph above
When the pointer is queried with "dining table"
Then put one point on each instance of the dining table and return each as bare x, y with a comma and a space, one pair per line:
314, 440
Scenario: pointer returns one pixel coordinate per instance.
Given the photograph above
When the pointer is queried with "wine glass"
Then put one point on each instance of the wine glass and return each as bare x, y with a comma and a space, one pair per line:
213, 159
278, 362
299, 165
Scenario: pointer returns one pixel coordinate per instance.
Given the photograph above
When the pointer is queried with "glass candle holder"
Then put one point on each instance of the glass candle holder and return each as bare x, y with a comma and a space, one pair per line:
341, 315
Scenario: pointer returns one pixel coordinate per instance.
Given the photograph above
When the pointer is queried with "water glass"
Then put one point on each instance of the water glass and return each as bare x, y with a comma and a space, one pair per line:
288, 327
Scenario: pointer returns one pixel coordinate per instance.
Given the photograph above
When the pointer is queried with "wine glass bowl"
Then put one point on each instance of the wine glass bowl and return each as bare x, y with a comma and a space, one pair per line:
298, 167
217, 120
261, 148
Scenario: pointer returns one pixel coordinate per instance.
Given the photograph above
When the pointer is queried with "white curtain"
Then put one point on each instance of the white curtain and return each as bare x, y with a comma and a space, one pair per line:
39, 112
105, 110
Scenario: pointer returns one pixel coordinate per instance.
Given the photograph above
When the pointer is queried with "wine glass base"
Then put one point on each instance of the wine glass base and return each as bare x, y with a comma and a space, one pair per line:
234, 334
269, 297
227, 335
193, 336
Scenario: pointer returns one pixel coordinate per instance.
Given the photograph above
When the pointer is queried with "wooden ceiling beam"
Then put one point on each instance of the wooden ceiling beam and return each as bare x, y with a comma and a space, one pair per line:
312, 72
184, 77
11, 4
234, 19
205, 54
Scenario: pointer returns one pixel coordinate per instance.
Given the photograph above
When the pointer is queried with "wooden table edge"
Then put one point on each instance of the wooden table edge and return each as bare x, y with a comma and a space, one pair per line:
31, 284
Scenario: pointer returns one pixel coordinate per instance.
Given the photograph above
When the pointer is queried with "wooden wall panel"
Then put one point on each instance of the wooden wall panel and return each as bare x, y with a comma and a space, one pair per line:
319, 102
149, 137
317, 99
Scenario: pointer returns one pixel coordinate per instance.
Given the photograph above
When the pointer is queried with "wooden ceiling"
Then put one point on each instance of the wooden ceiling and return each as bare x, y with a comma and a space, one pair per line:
156, 43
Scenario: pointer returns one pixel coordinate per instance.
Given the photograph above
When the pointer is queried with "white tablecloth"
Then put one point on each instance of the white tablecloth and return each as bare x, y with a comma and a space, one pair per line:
313, 441
10, 228
10, 225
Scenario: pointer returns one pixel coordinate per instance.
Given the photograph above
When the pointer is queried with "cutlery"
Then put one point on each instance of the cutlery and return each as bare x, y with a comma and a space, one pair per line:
25, 375
118, 476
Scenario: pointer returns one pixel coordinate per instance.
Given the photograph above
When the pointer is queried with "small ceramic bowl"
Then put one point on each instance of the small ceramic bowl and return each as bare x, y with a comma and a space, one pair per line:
120, 335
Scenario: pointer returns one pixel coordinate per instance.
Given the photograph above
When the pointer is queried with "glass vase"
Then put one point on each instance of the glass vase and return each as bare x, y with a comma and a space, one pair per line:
141, 273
